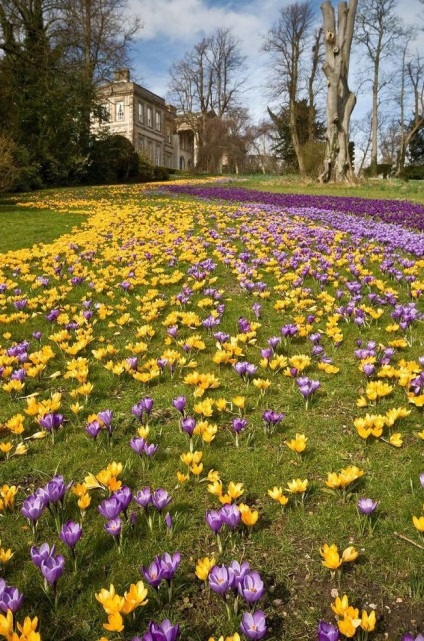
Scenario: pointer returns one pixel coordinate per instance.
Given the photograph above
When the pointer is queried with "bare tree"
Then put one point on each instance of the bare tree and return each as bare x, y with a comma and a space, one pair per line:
340, 100
415, 77
95, 35
378, 30
287, 42
206, 84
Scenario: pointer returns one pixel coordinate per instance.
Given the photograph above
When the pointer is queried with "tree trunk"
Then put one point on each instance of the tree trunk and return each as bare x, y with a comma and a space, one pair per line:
340, 100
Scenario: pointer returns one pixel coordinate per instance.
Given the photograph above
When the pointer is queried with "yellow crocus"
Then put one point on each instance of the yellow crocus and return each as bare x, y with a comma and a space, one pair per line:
5, 555
135, 597
6, 624
368, 621
340, 605
331, 556
115, 622
297, 444
235, 490
204, 566
248, 516
349, 554
297, 486
419, 523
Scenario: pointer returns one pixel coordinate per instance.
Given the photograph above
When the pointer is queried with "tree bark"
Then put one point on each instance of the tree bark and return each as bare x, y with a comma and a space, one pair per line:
340, 100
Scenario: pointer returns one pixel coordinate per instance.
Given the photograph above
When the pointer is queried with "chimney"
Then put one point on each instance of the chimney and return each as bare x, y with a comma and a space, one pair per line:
121, 75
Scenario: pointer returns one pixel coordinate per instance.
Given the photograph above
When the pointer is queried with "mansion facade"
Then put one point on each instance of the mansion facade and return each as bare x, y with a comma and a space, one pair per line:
152, 125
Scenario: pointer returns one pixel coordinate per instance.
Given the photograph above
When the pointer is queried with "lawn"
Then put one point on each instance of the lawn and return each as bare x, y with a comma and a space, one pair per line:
211, 419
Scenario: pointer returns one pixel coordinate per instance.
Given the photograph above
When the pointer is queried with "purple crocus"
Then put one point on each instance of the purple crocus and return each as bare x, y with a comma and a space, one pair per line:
214, 520
160, 499
51, 421
41, 554
144, 497
164, 631
154, 573
180, 403
114, 526
251, 587
188, 424
169, 564
10, 598
137, 443
52, 568
93, 429
366, 506
230, 515
421, 477
239, 424
253, 626
33, 507
327, 632
221, 579
307, 387
106, 418
110, 508
71, 533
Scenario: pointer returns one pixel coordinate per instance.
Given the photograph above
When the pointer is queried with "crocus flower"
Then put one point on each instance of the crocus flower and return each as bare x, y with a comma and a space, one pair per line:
253, 626
114, 526
327, 632
230, 515
169, 564
188, 424
51, 421
160, 499
33, 507
41, 554
179, 403
366, 506
93, 429
221, 579
10, 598
214, 520
71, 533
144, 497
164, 631
154, 573
251, 587
106, 418
52, 568
110, 508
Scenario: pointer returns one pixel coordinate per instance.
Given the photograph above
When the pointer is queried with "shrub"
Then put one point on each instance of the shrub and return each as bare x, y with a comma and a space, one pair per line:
412, 172
113, 159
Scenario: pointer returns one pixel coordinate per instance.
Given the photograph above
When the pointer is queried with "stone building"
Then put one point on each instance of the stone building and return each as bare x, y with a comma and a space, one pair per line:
153, 127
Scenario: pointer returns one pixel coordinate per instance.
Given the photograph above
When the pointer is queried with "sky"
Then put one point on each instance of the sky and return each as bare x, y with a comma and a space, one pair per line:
172, 27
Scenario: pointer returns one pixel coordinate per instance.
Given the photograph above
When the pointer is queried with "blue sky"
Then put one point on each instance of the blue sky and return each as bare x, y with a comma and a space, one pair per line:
173, 27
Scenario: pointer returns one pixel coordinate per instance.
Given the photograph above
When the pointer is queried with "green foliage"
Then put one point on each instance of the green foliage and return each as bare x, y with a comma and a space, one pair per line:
112, 159
413, 172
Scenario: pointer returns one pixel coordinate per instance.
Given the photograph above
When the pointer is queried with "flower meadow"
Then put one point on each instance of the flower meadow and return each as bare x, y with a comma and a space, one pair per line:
211, 423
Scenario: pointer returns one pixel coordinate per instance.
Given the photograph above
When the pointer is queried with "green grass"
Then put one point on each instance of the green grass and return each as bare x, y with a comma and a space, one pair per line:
284, 545
22, 227
377, 188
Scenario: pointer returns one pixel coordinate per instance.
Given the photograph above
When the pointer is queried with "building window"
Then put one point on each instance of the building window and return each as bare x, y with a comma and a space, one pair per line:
149, 117
140, 142
158, 121
140, 113
150, 150
119, 111
104, 112
168, 134
158, 154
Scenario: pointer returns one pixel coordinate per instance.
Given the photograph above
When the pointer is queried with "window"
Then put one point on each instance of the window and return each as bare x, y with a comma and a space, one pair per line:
149, 117
158, 121
140, 113
150, 150
119, 111
168, 134
140, 142
104, 112
158, 154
